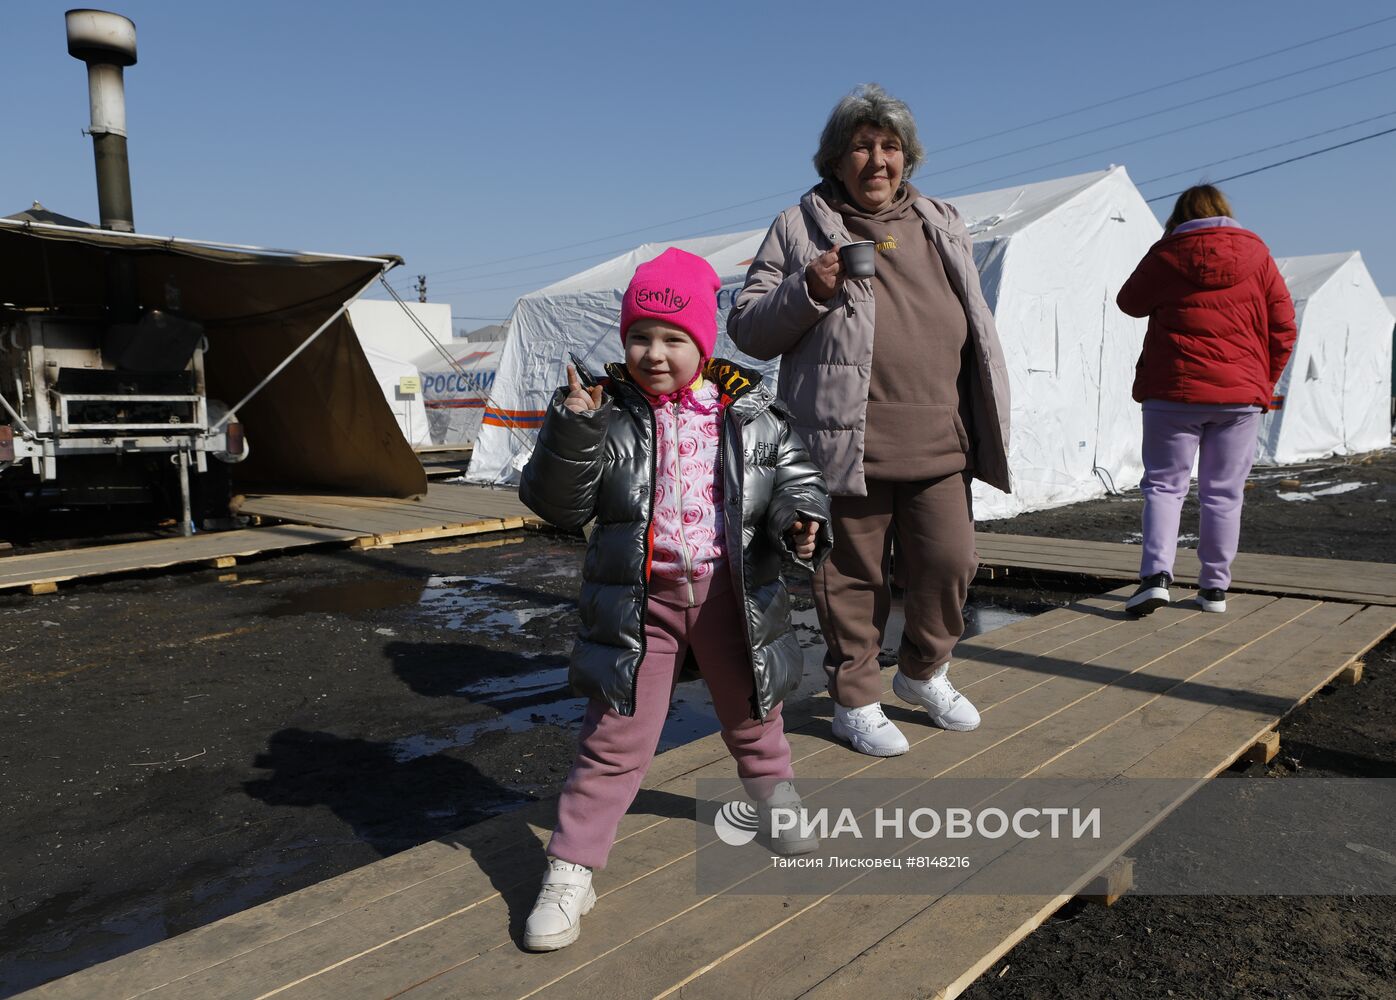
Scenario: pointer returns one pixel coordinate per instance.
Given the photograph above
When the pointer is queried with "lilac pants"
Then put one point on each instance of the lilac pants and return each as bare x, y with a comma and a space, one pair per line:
1174, 434
616, 750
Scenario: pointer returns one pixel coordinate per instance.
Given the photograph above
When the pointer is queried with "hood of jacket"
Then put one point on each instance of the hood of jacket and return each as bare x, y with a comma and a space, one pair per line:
1216, 257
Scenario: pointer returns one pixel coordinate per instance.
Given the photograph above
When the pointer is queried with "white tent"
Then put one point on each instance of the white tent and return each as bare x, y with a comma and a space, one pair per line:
390, 338
1335, 394
390, 373
455, 395
386, 326
581, 315
1051, 257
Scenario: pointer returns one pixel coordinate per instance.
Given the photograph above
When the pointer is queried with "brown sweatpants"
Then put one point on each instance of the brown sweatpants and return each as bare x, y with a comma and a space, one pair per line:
933, 524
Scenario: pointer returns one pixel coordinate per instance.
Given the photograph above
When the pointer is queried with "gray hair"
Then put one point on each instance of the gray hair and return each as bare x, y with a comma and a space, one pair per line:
867, 104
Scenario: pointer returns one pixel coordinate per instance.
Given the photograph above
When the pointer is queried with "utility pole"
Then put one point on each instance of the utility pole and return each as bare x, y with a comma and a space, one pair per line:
421, 288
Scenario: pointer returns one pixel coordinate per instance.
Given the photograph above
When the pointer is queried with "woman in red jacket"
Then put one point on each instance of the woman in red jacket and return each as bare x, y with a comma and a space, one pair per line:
1221, 327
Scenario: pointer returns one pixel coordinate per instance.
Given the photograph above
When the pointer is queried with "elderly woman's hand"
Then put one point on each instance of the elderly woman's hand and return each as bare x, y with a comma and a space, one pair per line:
823, 275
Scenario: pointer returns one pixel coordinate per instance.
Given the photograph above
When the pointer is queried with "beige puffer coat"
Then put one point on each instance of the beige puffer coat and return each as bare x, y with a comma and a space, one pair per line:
826, 348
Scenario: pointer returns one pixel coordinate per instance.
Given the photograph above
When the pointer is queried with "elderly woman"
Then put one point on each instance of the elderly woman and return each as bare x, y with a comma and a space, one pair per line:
897, 384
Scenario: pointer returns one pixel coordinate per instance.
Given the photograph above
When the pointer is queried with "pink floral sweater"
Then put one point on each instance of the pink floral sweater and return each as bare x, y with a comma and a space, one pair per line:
688, 538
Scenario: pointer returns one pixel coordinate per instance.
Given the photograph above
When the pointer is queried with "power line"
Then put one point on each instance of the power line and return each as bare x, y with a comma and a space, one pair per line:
612, 236
1245, 111
453, 284
938, 173
1017, 128
1163, 111
1266, 149
1163, 86
983, 183
729, 227
1281, 163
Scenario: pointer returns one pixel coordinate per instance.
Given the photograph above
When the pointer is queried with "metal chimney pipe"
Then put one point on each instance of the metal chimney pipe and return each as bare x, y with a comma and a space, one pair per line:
107, 43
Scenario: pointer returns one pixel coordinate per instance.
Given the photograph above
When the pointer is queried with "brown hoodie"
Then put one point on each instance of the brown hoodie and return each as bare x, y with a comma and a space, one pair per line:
826, 348
916, 418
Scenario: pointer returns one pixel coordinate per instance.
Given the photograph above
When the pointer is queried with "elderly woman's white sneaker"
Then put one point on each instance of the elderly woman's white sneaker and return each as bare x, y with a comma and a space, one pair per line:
556, 919
868, 730
948, 708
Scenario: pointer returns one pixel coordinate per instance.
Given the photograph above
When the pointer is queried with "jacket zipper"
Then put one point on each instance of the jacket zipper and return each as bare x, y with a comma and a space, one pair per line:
683, 538
738, 566
644, 576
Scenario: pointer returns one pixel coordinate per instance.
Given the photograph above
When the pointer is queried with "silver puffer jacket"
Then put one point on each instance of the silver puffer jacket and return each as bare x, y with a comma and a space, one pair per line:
601, 463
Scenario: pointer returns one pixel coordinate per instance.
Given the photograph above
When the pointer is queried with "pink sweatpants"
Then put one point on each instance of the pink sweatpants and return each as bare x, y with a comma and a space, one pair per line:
616, 750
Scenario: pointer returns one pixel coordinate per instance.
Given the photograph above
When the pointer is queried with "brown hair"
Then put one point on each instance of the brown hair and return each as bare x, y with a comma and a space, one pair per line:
1201, 202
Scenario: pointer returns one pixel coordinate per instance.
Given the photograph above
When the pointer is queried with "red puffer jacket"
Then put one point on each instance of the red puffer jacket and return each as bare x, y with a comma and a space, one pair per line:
1221, 323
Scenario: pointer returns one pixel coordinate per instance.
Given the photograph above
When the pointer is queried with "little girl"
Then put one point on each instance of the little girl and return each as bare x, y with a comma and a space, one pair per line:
697, 484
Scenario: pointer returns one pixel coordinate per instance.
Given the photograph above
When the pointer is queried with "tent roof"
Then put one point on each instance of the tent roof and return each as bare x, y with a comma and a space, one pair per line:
1005, 211
1390, 301
729, 255
990, 213
466, 355
37, 213
322, 424
1306, 275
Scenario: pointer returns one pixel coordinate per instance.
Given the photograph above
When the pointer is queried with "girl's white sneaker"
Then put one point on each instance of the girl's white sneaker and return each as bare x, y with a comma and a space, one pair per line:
947, 707
869, 731
556, 919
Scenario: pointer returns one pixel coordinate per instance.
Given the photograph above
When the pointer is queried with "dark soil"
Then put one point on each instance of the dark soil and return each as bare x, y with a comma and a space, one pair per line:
178, 747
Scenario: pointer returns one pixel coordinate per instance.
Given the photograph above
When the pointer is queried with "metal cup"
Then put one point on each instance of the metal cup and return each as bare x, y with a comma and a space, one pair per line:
859, 259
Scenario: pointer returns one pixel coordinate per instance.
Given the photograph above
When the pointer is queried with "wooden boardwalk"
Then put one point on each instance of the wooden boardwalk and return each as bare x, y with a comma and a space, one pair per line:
1336, 580
1082, 692
42, 572
448, 510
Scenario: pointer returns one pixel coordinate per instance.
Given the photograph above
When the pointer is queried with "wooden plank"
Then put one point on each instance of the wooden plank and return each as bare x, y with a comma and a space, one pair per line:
42, 587
1107, 888
161, 553
1263, 750
1249, 569
1247, 566
1350, 674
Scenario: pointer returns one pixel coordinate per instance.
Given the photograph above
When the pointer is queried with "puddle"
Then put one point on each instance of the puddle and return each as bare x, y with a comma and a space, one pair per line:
353, 597
542, 697
490, 605
1137, 538
1314, 494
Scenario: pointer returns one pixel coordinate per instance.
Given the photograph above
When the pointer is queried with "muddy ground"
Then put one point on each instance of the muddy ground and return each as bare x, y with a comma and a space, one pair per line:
178, 747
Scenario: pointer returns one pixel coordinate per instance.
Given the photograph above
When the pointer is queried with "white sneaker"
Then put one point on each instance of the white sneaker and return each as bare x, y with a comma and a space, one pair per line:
869, 731
947, 707
788, 840
556, 919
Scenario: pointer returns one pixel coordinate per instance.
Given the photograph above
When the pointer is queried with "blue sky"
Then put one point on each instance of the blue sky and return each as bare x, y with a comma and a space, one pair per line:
459, 135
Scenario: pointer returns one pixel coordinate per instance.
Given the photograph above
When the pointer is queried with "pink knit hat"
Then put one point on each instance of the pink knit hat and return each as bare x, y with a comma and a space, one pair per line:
676, 287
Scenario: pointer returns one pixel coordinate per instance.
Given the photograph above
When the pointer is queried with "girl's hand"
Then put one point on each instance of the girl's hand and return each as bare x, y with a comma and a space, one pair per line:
823, 275
579, 398
802, 536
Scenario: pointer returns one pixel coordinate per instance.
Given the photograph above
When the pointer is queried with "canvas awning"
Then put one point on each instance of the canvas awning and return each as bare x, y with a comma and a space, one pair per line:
322, 425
